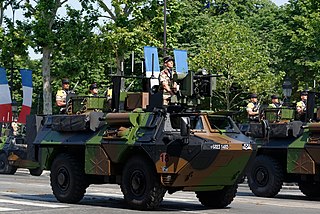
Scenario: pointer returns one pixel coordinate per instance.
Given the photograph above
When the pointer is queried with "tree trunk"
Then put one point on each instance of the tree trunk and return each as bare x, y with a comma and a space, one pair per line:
47, 94
1, 13
120, 70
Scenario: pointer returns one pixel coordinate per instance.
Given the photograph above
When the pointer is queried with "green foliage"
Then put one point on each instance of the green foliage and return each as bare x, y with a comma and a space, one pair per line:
253, 44
300, 42
230, 49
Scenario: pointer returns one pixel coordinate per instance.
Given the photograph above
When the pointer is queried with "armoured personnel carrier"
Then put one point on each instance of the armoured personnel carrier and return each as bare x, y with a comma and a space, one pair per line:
288, 151
12, 141
145, 147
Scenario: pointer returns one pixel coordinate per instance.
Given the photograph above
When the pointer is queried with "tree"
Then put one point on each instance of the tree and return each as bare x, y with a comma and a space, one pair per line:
135, 23
300, 50
43, 17
229, 48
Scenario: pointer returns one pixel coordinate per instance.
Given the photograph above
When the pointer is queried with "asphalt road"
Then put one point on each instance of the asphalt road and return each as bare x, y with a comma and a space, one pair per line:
23, 193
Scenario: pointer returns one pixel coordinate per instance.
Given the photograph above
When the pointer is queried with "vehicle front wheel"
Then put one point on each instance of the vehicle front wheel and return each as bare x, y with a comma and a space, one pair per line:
5, 168
140, 185
265, 177
219, 198
67, 179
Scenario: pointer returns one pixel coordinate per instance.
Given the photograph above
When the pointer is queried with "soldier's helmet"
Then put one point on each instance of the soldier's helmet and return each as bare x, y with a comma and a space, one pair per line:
274, 96
167, 59
253, 96
65, 81
93, 86
304, 93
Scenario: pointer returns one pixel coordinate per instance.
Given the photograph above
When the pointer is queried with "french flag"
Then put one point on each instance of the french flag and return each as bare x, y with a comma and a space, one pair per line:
5, 98
26, 77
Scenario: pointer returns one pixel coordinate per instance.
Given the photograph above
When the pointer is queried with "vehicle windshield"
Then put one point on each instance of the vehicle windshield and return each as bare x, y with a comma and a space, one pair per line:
195, 121
223, 124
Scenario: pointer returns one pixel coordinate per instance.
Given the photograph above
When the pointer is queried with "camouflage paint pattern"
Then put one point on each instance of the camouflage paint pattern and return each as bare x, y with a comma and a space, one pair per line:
302, 153
209, 161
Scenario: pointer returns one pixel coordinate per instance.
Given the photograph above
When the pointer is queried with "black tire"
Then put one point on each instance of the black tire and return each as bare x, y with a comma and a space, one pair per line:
141, 185
36, 172
5, 168
265, 177
67, 179
219, 198
310, 189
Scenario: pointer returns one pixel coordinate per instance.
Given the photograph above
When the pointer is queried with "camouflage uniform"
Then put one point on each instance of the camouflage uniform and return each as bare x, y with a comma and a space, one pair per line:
166, 78
274, 105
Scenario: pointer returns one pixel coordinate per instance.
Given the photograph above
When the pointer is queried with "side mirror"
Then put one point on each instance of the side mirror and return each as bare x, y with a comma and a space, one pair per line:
185, 127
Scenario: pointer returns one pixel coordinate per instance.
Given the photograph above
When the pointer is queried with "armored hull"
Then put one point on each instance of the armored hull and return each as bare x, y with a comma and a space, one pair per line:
208, 158
288, 151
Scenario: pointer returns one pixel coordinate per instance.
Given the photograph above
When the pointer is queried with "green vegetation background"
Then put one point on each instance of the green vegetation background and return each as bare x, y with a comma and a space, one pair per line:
254, 44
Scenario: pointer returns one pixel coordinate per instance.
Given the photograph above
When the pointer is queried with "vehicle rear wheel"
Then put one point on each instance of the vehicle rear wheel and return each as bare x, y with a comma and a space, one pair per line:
219, 198
5, 168
265, 177
36, 172
67, 179
310, 189
140, 185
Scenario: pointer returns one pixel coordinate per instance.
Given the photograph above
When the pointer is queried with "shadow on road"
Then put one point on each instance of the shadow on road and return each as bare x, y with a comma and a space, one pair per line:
281, 196
114, 202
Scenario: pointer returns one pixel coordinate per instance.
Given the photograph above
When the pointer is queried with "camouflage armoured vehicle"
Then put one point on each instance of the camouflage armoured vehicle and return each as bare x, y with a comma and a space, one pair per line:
5, 144
288, 151
13, 142
146, 148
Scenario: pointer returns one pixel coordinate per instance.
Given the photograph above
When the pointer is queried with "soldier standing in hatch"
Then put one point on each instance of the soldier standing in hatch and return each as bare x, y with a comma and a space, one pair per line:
93, 90
61, 96
275, 102
253, 108
301, 106
167, 85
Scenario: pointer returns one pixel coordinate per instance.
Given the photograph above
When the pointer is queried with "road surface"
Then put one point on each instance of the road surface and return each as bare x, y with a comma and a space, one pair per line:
23, 193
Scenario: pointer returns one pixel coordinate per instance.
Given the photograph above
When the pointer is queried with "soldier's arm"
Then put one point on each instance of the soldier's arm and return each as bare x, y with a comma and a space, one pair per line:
299, 108
166, 87
164, 83
250, 110
59, 99
60, 103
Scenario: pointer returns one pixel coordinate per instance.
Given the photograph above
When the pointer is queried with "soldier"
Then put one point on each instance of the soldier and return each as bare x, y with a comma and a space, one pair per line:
61, 95
302, 105
167, 85
275, 102
94, 90
253, 108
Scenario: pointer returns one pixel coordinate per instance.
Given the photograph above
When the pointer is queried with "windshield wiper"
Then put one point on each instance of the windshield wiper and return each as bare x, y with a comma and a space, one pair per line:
216, 127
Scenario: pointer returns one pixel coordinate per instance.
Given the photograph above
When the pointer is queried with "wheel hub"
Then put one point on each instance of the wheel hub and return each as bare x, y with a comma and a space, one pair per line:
63, 179
261, 176
138, 183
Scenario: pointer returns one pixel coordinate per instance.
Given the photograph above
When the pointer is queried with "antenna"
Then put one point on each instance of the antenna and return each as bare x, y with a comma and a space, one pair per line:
152, 70
132, 63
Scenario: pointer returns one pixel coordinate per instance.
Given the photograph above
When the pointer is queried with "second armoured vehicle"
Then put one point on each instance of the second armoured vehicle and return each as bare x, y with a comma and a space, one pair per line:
288, 151
13, 141
145, 147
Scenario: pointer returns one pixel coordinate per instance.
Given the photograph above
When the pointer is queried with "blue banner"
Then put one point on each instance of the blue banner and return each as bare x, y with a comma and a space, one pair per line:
180, 58
3, 76
26, 77
149, 53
